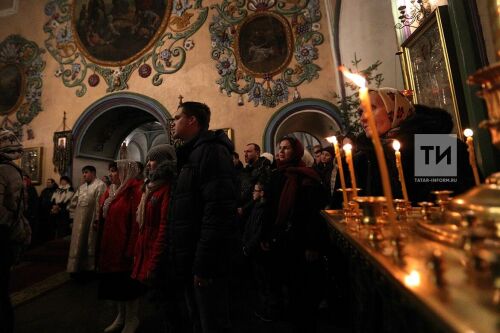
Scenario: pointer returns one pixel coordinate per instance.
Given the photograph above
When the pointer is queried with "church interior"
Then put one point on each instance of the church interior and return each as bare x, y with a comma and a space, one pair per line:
90, 82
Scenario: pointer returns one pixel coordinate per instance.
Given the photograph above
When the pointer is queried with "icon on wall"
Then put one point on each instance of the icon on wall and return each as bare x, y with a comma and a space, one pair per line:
31, 164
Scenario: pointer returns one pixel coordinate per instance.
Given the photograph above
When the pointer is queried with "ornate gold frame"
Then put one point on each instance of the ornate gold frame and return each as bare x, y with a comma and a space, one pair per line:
289, 43
21, 93
36, 175
440, 18
229, 132
152, 41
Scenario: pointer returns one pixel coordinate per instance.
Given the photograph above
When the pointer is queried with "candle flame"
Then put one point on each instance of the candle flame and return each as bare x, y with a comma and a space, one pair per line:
396, 145
413, 279
468, 132
347, 147
357, 79
332, 139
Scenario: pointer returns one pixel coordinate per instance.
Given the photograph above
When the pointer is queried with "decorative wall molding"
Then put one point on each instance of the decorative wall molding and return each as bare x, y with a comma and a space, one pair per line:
25, 58
167, 55
249, 35
10, 11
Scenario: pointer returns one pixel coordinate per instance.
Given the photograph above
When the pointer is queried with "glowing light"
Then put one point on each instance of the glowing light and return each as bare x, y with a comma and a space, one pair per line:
396, 145
357, 79
412, 279
332, 139
468, 132
347, 147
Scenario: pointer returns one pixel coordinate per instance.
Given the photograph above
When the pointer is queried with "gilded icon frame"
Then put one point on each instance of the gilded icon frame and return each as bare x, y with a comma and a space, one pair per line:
115, 63
288, 46
31, 164
430, 68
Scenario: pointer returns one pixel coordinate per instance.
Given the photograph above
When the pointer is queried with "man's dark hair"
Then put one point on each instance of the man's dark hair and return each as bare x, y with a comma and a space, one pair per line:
255, 146
235, 154
198, 110
89, 168
113, 165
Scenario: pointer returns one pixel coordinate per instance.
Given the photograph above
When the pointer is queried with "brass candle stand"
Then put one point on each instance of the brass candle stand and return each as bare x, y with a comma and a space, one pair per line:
426, 210
442, 200
351, 212
372, 216
402, 206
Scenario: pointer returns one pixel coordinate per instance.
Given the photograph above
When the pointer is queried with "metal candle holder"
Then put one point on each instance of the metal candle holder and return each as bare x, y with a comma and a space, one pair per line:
372, 210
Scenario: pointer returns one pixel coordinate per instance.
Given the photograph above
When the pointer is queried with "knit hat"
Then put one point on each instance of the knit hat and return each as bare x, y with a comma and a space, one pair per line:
161, 153
10, 147
398, 107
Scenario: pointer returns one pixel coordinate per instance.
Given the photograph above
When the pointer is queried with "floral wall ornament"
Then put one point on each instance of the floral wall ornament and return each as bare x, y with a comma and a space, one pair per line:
264, 47
81, 36
21, 67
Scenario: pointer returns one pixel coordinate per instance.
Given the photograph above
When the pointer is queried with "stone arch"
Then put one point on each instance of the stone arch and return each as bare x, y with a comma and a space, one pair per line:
105, 124
318, 117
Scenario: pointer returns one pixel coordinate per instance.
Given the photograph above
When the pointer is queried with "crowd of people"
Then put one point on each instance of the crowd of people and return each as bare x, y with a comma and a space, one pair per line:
178, 228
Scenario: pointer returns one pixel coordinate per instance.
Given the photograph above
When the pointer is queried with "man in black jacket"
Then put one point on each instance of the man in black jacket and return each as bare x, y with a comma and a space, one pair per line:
258, 168
202, 221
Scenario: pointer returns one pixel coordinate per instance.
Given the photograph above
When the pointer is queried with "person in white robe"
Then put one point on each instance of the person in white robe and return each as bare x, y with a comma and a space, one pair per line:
85, 214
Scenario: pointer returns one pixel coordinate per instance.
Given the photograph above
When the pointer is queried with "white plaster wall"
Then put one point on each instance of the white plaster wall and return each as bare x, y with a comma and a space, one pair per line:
487, 26
367, 29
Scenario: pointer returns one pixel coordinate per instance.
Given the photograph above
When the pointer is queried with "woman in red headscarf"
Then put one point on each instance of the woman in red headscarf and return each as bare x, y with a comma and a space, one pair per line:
294, 232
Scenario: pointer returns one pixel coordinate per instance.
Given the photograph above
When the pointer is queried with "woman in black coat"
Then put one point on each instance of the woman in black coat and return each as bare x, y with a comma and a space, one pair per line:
397, 118
294, 232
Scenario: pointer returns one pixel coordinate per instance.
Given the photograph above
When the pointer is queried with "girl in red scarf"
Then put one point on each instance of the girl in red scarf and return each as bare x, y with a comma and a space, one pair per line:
295, 232
118, 207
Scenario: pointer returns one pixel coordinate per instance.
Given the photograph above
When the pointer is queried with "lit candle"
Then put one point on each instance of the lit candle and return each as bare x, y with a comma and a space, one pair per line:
472, 154
367, 107
348, 156
412, 279
396, 145
334, 142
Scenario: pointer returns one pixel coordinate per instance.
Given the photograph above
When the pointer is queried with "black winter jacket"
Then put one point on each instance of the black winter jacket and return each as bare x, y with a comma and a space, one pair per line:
305, 228
259, 171
202, 217
425, 121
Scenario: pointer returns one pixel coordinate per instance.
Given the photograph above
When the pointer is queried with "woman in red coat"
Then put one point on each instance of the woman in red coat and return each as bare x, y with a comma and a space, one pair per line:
150, 266
152, 213
119, 234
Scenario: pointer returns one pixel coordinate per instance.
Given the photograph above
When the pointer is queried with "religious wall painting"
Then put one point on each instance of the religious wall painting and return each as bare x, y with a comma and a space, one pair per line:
11, 87
116, 32
113, 39
63, 142
264, 44
21, 67
430, 69
264, 48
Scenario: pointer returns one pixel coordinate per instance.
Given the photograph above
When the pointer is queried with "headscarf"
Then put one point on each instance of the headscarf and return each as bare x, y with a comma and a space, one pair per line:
292, 170
127, 170
10, 147
398, 107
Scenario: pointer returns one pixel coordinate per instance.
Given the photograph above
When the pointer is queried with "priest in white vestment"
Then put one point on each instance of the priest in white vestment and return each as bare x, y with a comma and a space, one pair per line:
85, 207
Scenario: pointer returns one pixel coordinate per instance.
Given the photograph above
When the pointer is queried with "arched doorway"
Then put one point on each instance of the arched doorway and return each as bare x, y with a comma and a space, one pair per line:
108, 122
311, 120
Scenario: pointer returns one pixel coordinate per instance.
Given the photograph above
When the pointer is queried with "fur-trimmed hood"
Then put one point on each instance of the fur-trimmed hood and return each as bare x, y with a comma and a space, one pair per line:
166, 170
